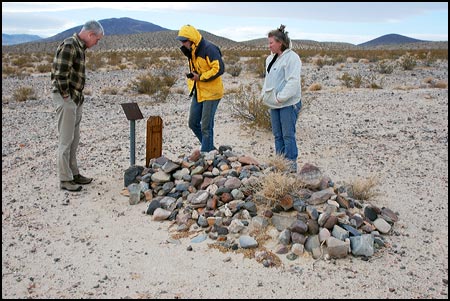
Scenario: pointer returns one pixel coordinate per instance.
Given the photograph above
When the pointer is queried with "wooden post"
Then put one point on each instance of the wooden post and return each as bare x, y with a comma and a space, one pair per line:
154, 138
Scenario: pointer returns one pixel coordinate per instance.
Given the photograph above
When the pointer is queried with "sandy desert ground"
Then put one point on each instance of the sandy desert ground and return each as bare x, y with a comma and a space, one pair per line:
94, 244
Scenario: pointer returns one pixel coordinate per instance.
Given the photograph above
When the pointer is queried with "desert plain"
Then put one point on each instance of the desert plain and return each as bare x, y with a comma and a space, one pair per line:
94, 244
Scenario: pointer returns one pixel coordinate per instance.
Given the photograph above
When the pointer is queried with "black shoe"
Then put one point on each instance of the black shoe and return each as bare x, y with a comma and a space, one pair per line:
69, 185
79, 179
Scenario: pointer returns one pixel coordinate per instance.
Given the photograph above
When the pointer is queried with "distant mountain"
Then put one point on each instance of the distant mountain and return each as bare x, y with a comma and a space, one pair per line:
163, 39
113, 26
261, 43
390, 39
13, 39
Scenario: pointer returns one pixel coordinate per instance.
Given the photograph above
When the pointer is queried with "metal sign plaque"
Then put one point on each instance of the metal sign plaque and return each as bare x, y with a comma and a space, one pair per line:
132, 111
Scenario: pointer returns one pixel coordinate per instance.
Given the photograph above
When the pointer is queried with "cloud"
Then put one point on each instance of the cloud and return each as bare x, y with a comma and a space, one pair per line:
243, 33
28, 7
241, 21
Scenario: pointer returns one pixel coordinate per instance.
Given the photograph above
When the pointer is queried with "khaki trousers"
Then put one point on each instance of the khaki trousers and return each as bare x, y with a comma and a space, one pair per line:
68, 115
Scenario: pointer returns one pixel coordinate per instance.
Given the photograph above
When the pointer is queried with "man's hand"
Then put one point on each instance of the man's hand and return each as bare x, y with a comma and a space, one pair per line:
196, 77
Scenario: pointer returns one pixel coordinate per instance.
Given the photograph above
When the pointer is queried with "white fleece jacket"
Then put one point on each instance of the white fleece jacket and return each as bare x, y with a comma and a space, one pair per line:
282, 86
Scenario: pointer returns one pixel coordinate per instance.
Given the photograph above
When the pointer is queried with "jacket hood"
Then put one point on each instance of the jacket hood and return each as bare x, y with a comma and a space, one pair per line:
189, 32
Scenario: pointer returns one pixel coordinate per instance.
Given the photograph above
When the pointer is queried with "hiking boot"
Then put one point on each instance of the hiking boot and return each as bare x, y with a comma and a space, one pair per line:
69, 185
79, 179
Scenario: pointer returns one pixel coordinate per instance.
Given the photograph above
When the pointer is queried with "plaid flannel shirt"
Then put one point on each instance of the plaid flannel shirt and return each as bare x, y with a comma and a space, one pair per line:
68, 70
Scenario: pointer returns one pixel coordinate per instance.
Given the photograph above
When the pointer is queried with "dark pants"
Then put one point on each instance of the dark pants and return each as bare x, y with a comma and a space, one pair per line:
201, 121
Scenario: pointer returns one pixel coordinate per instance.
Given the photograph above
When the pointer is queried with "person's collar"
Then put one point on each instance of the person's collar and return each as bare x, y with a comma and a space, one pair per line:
80, 41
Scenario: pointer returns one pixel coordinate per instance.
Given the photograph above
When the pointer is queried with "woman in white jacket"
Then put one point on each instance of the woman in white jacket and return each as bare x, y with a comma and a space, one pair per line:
282, 93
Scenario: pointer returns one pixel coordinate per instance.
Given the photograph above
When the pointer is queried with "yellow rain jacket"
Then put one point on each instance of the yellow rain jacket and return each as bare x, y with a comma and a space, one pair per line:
206, 60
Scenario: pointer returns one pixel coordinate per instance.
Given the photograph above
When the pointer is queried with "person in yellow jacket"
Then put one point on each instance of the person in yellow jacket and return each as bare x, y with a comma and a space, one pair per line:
204, 82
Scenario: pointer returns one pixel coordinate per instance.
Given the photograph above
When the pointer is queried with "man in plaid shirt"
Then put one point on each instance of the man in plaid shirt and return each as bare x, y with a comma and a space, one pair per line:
68, 77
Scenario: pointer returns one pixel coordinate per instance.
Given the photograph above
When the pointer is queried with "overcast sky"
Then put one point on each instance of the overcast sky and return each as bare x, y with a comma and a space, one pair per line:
240, 21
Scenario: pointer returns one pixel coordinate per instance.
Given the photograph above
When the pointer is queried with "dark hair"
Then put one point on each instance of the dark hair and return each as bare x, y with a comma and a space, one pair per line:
280, 35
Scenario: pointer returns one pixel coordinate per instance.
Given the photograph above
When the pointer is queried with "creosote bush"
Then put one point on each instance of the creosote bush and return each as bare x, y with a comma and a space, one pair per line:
408, 62
250, 108
234, 70
151, 85
384, 67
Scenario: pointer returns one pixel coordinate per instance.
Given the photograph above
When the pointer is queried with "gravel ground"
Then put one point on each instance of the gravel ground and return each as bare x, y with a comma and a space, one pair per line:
93, 244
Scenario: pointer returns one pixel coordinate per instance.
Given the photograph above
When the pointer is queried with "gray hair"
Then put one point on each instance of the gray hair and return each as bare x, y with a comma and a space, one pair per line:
280, 35
94, 26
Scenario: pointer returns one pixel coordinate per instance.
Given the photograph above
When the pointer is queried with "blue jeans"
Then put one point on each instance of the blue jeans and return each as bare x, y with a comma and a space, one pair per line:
201, 121
283, 129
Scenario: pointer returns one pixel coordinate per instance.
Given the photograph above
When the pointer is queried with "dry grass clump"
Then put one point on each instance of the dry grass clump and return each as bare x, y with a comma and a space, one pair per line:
24, 93
110, 91
364, 189
278, 163
276, 185
44, 68
315, 87
442, 84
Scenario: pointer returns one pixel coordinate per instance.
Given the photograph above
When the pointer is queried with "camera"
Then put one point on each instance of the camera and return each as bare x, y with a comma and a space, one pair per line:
190, 75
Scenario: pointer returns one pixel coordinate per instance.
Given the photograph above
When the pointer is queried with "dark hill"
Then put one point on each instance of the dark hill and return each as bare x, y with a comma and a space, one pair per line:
113, 26
390, 39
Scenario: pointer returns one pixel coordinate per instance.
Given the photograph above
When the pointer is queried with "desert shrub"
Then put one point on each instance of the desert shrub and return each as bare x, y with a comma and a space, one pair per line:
114, 59
408, 62
250, 108
340, 67
357, 80
43, 68
258, 66
24, 93
142, 59
364, 189
151, 85
429, 59
94, 61
346, 80
22, 61
319, 62
373, 82
234, 70
352, 81
231, 58
339, 59
384, 67
9, 71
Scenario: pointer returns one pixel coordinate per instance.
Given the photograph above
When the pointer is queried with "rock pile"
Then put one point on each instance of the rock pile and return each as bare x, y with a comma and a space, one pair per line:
219, 194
